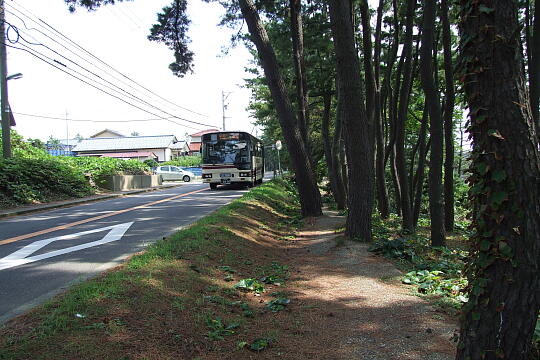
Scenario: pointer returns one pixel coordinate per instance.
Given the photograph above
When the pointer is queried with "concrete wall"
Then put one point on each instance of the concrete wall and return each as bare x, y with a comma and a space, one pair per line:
130, 182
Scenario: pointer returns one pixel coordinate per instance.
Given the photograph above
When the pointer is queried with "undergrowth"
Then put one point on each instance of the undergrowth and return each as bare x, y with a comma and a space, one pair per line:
437, 272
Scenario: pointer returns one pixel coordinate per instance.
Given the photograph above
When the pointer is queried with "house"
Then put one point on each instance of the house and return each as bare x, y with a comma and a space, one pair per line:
194, 141
159, 147
107, 133
61, 147
134, 155
179, 149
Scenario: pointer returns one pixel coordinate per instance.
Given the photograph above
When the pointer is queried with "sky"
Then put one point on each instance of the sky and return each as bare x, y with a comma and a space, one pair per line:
116, 34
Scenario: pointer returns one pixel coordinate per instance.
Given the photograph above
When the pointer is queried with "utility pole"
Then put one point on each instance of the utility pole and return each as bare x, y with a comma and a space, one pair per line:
67, 135
224, 96
4, 104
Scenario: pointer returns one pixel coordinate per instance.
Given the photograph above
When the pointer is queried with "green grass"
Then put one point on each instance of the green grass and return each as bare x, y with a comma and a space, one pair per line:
177, 277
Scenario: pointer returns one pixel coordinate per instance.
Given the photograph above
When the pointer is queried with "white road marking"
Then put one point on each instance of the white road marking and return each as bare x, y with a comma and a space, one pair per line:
21, 256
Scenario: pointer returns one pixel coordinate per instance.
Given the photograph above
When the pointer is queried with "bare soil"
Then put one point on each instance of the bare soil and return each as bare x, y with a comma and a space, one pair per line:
356, 308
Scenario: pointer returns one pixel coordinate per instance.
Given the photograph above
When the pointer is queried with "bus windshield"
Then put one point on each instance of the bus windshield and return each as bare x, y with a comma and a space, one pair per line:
226, 151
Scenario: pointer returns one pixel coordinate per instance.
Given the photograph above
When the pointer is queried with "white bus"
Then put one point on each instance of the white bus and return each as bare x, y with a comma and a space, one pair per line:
232, 158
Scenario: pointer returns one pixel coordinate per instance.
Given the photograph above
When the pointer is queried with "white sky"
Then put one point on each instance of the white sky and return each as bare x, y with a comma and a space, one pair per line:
117, 35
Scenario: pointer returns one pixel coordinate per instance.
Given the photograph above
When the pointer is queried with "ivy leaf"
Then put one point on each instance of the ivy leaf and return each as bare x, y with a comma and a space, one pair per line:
482, 168
485, 245
498, 175
505, 249
498, 197
480, 119
475, 316
495, 133
485, 9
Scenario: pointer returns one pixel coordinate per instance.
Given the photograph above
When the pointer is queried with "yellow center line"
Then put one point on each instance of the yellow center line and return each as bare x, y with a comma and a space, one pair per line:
67, 226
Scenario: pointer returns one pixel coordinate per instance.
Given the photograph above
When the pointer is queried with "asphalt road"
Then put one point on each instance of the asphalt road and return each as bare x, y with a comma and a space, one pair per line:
43, 253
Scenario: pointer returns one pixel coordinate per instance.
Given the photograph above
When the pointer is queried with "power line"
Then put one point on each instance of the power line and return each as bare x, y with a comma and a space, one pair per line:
28, 49
104, 91
90, 120
98, 59
86, 60
129, 95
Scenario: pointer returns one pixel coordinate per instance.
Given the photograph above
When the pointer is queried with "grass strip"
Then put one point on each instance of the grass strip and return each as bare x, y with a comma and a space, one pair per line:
177, 298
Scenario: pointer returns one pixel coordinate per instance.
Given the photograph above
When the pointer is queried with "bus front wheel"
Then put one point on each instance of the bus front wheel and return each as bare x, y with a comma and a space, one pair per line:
213, 186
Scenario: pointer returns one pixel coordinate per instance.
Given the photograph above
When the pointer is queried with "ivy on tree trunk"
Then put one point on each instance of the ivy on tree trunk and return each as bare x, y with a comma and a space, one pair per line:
504, 287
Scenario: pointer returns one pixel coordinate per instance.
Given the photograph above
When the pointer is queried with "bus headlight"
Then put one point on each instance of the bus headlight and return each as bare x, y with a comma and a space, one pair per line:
244, 174
207, 176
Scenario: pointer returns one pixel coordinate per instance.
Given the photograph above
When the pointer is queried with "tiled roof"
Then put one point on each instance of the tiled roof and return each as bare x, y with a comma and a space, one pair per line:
126, 143
201, 133
179, 145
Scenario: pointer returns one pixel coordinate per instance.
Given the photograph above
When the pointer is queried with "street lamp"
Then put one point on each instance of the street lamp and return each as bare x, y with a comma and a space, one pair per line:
14, 76
7, 116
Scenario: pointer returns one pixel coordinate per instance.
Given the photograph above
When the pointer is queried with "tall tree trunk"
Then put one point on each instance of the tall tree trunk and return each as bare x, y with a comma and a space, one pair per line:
368, 67
534, 68
401, 167
499, 319
418, 180
448, 120
460, 162
360, 197
338, 158
436, 206
297, 36
332, 163
310, 198
395, 182
380, 175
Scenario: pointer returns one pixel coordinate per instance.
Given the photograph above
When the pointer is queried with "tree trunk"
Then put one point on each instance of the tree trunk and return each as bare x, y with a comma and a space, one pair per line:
368, 67
332, 164
436, 207
418, 180
297, 36
499, 318
401, 167
338, 151
382, 192
310, 198
360, 156
448, 120
534, 68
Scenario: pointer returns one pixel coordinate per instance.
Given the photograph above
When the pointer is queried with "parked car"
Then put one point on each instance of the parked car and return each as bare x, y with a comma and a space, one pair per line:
168, 172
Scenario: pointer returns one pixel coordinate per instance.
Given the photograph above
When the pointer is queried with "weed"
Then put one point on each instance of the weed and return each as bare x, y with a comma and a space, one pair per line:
217, 329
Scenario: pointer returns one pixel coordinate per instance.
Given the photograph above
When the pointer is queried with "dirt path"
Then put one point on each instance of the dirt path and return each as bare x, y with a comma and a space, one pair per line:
354, 307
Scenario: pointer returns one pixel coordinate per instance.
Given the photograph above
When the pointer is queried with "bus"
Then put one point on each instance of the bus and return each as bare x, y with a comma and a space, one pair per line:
232, 158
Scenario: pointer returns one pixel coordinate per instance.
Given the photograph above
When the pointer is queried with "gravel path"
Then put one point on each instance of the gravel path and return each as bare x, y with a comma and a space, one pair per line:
366, 312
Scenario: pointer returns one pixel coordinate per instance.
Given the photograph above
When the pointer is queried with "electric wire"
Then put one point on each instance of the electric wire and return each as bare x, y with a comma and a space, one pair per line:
130, 95
113, 88
88, 120
28, 49
97, 58
80, 57
104, 91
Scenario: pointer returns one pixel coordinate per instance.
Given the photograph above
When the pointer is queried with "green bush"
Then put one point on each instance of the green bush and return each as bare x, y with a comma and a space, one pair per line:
185, 161
98, 167
151, 163
23, 149
24, 181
